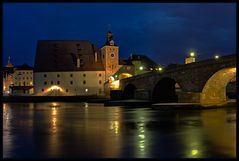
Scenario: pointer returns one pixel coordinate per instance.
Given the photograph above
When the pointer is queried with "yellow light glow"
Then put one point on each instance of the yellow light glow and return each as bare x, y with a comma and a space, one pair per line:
192, 54
116, 76
160, 68
115, 84
4, 87
194, 152
141, 68
54, 88
54, 111
31, 83
111, 79
216, 56
141, 136
86, 90
124, 75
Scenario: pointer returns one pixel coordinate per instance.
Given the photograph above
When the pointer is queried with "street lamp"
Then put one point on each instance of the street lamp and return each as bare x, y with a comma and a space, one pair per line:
216, 56
141, 68
160, 68
192, 54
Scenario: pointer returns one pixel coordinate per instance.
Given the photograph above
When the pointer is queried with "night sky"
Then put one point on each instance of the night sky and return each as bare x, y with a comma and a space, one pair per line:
164, 32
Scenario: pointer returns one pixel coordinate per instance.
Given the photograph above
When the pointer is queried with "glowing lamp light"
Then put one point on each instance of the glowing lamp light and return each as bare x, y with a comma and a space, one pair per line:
86, 90
192, 54
160, 68
216, 56
116, 76
141, 68
194, 152
54, 88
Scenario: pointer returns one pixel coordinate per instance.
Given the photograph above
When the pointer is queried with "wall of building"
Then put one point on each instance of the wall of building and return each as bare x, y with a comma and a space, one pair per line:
23, 78
70, 83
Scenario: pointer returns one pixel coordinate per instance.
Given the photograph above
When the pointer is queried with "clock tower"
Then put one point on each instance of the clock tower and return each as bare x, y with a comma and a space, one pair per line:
110, 56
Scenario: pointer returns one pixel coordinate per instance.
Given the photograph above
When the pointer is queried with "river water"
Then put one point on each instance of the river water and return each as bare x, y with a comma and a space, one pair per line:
82, 130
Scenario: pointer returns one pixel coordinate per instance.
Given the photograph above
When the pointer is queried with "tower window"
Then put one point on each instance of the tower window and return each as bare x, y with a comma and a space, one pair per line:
45, 75
84, 82
84, 75
51, 82
58, 75
71, 75
45, 83
66, 90
71, 82
100, 82
58, 82
112, 55
42, 90
100, 75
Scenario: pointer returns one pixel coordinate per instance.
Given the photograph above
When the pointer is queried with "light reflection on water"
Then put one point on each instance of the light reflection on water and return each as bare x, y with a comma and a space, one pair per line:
91, 130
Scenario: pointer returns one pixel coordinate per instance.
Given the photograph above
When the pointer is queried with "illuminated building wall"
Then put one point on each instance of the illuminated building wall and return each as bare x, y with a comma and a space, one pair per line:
70, 83
22, 80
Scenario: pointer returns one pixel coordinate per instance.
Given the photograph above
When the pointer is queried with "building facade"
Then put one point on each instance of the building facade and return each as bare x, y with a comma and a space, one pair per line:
22, 80
8, 71
74, 67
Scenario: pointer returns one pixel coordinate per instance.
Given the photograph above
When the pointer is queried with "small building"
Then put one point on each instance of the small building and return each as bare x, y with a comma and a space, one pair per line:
22, 80
7, 77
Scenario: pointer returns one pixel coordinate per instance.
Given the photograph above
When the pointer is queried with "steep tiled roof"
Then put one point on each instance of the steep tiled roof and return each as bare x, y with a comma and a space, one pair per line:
61, 55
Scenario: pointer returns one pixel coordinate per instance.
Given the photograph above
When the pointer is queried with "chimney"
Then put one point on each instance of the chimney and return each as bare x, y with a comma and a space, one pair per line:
95, 56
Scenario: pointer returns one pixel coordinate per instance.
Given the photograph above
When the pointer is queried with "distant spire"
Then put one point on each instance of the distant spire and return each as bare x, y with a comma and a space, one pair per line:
9, 58
9, 64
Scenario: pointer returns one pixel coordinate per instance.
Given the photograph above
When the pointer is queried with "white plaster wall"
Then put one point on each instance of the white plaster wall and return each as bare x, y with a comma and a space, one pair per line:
92, 79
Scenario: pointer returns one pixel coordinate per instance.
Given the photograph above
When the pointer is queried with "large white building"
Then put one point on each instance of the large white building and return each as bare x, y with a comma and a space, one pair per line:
74, 67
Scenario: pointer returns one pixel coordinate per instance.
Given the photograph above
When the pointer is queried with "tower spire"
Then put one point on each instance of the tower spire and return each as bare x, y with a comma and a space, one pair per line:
109, 37
9, 58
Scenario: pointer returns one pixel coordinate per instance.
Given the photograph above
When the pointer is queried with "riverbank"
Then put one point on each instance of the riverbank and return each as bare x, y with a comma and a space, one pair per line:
89, 99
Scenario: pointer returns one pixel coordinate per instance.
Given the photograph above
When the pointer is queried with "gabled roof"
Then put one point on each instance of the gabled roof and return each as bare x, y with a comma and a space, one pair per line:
23, 67
61, 55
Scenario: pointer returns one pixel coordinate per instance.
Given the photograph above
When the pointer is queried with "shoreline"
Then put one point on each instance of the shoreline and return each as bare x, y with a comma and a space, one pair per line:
90, 99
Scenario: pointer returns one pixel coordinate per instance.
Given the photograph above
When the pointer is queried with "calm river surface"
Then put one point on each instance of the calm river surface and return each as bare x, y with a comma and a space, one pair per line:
82, 130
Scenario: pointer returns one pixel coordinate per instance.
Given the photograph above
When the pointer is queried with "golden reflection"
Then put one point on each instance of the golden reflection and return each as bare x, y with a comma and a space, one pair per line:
221, 132
54, 119
141, 138
114, 125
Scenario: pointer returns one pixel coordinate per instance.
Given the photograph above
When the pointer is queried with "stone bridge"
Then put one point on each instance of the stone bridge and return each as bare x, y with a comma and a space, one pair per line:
199, 82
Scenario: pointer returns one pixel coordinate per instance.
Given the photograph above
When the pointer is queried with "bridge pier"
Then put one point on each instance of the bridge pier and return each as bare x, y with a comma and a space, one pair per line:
188, 97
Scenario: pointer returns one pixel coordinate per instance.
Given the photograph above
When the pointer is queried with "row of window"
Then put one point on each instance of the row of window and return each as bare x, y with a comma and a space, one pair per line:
24, 72
86, 90
71, 75
19, 78
71, 82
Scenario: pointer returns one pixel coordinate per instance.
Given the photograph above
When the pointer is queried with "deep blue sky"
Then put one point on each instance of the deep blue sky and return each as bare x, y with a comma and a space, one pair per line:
164, 32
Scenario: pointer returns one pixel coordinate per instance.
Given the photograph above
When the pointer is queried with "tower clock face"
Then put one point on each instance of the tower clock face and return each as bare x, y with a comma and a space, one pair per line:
112, 55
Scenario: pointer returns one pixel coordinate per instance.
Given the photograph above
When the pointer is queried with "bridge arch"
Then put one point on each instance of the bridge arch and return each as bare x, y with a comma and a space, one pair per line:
165, 90
214, 91
129, 91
